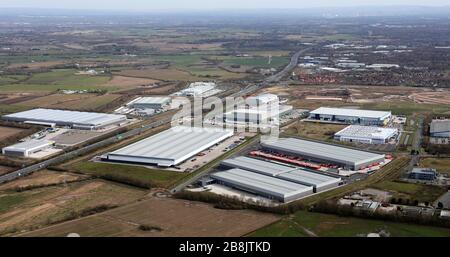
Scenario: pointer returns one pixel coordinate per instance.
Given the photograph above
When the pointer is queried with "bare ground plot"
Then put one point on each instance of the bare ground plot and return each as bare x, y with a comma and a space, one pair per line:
5, 169
42, 178
71, 101
36, 208
173, 217
442, 165
6, 132
124, 83
313, 130
73, 137
169, 74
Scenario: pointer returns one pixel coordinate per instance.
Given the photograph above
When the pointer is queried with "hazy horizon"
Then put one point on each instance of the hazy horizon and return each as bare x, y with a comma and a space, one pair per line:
140, 5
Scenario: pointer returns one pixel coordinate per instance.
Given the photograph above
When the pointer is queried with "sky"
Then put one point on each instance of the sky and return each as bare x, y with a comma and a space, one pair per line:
144, 5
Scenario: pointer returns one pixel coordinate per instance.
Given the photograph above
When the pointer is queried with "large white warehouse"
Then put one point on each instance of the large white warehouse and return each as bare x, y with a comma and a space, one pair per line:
366, 134
25, 149
74, 119
270, 187
149, 102
325, 153
170, 147
319, 182
351, 116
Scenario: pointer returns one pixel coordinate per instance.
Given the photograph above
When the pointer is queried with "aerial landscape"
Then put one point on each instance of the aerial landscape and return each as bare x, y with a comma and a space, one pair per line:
314, 122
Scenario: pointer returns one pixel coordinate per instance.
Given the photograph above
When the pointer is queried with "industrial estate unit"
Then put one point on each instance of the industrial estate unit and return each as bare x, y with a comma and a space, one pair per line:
325, 153
269, 187
149, 102
440, 131
170, 147
25, 149
73, 119
366, 134
319, 182
350, 116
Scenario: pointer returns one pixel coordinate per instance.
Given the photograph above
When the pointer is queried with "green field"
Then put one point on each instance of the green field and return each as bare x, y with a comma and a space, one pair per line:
407, 108
262, 62
324, 225
419, 192
57, 79
9, 201
7, 109
145, 176
442, 165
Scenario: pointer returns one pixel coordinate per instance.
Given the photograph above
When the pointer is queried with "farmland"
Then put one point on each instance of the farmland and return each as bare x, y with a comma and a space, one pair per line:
6, 132
304, 224
181, 218
42, 206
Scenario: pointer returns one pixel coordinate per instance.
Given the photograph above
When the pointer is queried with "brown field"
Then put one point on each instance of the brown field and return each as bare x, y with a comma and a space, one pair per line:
125, 83
441, 97
42, 178
40, 207
170, 74
319, 131
5, 169
72, 102
6, 132
168, 47
174, 217
36, 65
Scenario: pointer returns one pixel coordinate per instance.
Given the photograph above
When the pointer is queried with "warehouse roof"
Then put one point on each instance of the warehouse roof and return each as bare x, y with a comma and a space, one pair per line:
351, 112
308, 178
322, 151
262, 183
357, 131
255, 165
171, 146
438, 126
150, 100
294, 174
29, 145
69, 117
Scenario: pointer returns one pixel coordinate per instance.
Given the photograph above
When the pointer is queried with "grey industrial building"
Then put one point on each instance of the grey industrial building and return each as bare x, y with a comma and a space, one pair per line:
150, 102
325, 153
318, 181
25, 149
440, 132
350, 116
170, 147
366, 134
74, 119
423, 174
269, 187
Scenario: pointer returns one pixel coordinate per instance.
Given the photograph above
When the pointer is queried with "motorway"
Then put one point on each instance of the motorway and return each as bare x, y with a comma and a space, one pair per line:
70, 155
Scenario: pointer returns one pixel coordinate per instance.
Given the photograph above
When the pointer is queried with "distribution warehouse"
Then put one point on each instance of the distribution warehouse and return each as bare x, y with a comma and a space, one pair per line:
299, 175
270, 187
74, 119
170, 147
366, 134
351, 116
325, 153
25, 149
149, 102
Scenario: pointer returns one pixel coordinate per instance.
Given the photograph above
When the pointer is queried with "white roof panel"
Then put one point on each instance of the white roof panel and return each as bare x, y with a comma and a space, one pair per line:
351, 112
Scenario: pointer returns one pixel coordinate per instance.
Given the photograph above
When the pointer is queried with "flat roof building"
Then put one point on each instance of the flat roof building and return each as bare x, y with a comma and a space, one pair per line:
351, 116
74, 119
325, 153
440, 128
299, 175
366, 134
270, 187
170, 147
198, 89
149, 102
25, 149
423, 174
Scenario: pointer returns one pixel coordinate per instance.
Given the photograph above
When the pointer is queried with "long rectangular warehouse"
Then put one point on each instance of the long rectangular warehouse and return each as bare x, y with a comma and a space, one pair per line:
270, 187
300, 175
171, 146
74, 119
325, 153
25, 149
351, 116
